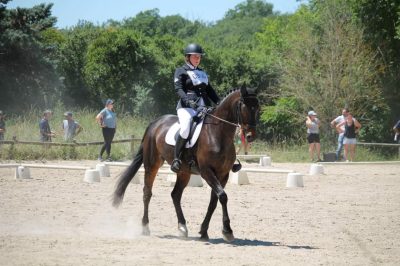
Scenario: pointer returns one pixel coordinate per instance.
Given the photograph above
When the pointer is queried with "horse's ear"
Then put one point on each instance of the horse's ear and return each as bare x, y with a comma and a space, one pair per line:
243, 90
252, 91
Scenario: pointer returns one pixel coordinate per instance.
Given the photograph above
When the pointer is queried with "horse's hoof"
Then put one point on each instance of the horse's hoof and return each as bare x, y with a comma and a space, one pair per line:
204, 237
146, 230
182, 230
228, 237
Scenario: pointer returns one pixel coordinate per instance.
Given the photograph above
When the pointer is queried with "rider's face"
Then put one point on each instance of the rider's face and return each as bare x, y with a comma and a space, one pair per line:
195, 59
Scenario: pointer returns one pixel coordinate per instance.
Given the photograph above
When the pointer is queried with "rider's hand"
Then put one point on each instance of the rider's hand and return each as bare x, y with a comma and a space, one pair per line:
202, 109
192, 104
210, 109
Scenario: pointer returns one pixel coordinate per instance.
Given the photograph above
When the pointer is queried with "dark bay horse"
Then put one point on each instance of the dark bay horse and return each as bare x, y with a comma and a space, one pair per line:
214, 155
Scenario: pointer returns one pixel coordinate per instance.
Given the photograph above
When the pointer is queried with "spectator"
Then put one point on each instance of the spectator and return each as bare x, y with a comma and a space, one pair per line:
45, 132
313, 125
396, 130
351, 128
334, 123
241, 141
71, 127
108, 122
2, 125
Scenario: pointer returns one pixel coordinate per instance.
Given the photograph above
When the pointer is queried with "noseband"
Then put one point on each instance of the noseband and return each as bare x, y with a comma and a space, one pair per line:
252, 122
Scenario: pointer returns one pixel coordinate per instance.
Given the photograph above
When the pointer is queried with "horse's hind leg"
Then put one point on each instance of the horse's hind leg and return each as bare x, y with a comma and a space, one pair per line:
182, 179
149, 176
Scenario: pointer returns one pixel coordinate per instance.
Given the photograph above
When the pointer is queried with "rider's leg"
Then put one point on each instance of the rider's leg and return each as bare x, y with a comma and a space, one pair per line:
185, 116
176, 163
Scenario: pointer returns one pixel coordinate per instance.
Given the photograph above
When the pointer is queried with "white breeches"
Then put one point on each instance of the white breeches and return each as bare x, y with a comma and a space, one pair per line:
185, 116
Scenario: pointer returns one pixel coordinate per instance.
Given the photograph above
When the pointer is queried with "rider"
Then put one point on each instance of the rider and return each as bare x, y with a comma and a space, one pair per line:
194, 89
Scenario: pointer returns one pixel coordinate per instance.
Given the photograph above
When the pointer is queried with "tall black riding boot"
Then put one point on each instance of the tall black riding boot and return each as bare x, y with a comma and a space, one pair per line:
176, 163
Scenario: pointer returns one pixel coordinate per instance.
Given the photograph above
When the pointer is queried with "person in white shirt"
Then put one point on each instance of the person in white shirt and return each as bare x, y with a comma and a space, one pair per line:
338, 120
313, 124
71, 127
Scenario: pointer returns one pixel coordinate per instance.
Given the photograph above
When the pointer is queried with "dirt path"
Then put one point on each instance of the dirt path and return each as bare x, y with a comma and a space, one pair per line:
349, 216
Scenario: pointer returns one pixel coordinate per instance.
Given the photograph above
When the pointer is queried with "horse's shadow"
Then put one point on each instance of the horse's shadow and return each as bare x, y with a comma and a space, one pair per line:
239, 242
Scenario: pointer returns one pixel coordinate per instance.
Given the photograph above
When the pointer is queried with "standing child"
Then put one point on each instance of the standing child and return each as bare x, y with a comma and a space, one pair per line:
71, 127
45, 132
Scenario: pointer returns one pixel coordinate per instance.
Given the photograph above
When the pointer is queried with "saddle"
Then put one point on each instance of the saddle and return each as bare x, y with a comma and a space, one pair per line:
195, 128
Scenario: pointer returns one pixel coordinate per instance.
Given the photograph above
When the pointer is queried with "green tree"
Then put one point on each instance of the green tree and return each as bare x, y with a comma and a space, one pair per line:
381, 20
27, 73
117, 61
280, 121
250, 8
168, 51
328, 65
72, 55
146, 22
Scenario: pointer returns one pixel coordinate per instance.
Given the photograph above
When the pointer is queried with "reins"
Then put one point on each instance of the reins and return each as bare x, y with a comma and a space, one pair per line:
223, 120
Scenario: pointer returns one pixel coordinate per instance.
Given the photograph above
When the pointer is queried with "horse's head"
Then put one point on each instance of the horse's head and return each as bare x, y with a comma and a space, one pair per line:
247, 112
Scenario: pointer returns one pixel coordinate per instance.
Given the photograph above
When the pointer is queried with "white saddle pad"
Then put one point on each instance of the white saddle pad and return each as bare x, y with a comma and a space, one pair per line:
170, 137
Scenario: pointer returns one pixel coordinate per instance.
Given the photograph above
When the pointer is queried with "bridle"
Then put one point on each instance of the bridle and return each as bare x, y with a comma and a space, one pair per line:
239, 116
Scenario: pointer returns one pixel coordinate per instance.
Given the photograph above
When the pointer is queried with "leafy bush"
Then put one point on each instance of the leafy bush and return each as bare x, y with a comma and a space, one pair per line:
280, 122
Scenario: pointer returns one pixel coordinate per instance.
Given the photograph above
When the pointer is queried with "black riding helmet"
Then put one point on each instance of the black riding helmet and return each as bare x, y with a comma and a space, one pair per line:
194, 48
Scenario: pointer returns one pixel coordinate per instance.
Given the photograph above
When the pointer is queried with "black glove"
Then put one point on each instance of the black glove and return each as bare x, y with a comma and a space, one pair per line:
202, 109
192, 104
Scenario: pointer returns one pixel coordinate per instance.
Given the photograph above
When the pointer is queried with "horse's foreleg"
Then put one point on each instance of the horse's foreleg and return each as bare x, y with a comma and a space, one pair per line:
182, 179
219, 191
211, 208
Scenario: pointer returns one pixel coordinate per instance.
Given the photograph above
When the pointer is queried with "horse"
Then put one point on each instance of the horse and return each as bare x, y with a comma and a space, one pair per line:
214, 155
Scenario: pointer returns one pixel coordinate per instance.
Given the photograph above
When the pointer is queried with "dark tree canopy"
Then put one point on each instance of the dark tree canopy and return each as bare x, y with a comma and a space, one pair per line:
342, 52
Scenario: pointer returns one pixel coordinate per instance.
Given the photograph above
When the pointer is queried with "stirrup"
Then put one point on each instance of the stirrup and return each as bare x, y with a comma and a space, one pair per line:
176, 165
236, 167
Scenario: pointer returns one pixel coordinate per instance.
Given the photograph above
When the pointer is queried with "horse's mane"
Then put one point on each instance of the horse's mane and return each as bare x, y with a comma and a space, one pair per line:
229, 93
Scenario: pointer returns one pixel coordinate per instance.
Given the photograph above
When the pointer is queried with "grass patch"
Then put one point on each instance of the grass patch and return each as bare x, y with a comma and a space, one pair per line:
26, 127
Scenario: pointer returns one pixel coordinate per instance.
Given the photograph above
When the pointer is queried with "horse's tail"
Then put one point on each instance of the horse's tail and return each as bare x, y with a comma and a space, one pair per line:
126, 177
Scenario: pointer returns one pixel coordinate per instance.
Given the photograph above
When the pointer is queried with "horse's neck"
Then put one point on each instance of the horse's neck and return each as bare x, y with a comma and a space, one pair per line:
227, 112
228, 109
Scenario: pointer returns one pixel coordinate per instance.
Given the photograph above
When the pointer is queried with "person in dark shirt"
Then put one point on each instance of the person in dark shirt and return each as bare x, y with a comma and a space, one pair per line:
107, 120
45, 132
195, 92
351, 128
